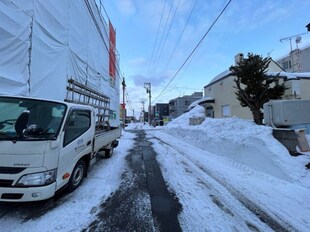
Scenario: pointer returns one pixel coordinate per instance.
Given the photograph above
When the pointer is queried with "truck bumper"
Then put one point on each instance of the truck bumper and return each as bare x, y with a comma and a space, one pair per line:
27, 194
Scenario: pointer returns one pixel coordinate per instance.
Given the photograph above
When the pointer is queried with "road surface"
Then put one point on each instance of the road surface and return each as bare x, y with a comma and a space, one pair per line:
145, 201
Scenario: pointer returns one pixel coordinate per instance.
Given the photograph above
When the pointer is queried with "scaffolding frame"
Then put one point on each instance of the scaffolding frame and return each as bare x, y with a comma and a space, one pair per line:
79, 93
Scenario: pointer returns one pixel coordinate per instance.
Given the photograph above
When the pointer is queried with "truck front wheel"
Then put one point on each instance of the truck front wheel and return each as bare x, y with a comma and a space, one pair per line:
77, 176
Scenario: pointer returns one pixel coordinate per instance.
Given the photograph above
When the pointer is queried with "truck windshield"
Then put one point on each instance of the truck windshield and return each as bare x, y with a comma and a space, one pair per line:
28, 119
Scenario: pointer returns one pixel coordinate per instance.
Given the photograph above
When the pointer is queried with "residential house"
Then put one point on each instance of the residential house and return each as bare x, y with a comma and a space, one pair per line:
220, 99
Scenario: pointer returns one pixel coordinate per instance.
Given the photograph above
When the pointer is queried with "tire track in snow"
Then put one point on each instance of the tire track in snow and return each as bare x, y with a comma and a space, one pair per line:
271, 221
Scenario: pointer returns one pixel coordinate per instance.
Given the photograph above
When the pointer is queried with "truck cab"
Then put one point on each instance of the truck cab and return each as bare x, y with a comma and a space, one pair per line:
44, 146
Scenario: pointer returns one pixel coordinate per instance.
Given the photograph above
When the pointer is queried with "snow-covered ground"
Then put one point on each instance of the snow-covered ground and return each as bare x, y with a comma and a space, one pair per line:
217, 170
242, 157
78, 209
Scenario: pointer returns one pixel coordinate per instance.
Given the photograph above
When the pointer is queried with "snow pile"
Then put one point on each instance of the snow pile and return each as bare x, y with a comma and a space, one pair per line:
183, 120
242, 141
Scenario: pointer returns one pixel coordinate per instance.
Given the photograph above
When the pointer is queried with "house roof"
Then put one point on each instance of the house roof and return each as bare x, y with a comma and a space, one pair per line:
219, 77
301, 47
290, 76
287, 75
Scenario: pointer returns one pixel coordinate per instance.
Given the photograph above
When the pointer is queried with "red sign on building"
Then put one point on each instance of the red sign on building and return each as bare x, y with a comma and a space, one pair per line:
112, 48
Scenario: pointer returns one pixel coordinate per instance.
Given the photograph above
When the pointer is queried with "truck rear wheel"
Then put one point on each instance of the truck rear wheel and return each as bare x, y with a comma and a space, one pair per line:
77, 176
108, 152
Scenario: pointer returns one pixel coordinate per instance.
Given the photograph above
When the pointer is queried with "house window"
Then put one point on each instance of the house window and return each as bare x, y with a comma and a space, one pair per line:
287, 64
225, 111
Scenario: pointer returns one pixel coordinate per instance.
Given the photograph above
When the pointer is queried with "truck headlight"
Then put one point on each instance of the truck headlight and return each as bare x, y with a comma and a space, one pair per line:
38, 179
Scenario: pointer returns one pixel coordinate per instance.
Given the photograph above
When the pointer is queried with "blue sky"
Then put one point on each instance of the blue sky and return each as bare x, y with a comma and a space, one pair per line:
245, 26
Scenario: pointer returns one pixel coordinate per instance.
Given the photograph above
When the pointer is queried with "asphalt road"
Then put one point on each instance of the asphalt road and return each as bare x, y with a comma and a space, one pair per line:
142, 203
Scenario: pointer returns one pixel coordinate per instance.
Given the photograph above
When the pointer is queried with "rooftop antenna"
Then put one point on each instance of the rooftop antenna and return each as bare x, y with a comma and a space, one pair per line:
291, 37
297, 40
268, 53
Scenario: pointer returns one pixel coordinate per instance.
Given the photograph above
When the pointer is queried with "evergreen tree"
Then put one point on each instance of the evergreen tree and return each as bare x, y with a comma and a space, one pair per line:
253, 86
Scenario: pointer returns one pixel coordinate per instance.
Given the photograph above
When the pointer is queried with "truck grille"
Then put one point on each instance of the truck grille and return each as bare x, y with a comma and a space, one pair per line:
6, 183
8, 170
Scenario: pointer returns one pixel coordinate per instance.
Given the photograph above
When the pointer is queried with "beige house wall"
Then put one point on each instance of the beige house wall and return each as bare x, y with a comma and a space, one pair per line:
305, 89
298, 89
224, 95
223, 92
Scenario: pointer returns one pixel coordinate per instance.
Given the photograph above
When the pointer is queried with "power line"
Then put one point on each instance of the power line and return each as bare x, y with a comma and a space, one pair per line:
128, 100
177, 44
193, 51
161, 17
166, 37
160, 43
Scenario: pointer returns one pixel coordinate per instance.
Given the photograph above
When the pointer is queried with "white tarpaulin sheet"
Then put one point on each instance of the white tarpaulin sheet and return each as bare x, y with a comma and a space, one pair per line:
44, 43
14, 49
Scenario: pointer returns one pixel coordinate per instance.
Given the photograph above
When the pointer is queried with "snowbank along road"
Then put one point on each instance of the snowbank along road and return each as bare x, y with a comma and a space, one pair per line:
161, 188
211, 190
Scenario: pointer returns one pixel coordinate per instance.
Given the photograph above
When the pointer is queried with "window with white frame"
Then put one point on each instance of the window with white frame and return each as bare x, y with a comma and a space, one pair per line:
225, 110
286, 64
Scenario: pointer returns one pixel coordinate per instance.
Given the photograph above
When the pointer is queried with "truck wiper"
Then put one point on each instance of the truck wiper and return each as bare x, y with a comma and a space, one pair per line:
3, 134
8, 136
42, 135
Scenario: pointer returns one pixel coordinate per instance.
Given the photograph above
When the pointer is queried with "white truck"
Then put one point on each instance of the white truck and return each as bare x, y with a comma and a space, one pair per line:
59, 95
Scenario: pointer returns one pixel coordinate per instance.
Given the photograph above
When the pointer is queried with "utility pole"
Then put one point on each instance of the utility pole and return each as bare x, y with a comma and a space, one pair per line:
142, 102
147, 86
123, 105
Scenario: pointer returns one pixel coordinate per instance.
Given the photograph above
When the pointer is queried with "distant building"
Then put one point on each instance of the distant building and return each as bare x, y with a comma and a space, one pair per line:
160, 110
298, 60
180, 105
145, 117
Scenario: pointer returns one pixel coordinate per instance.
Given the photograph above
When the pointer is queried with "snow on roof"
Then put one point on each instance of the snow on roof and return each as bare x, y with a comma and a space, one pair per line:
226, 73
195, 103
288, 75
301, 47
220, 76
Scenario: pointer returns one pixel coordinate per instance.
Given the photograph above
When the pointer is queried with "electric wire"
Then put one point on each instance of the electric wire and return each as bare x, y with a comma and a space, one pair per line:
161, 17
128, 100
160, 43
180, 37
166, 36
195, 48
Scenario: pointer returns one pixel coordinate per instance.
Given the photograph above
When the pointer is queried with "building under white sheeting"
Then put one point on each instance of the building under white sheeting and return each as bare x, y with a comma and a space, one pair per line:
45, 43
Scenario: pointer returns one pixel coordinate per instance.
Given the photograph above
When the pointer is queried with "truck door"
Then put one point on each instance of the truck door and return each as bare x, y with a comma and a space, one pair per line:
77, 141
